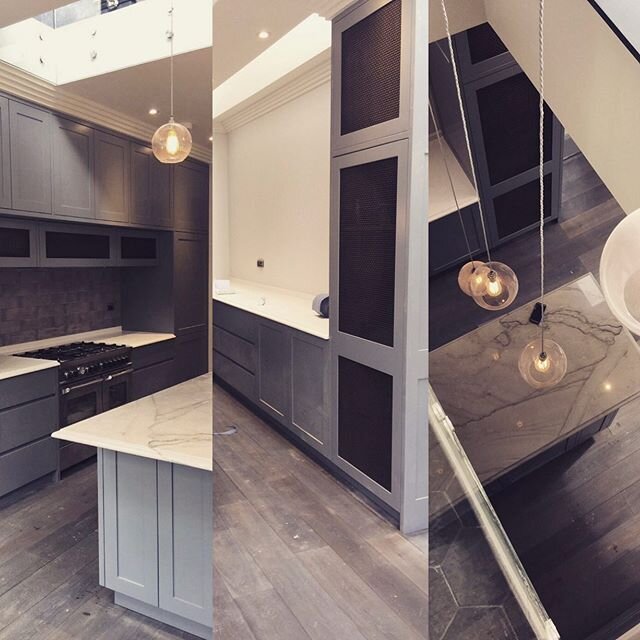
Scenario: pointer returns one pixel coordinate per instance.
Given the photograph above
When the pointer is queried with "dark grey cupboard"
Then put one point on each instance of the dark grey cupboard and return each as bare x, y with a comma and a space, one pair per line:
18, 243
112, 174
280, 370
31, 167
191, 197
153, 368
5, 154
150, 189
73, 169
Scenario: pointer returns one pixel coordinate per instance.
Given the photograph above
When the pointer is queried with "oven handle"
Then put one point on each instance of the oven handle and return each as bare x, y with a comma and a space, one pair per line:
67, 390
111, 376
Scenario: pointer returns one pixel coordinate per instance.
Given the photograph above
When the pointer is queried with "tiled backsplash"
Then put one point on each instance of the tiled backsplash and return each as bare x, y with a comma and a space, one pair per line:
46, 303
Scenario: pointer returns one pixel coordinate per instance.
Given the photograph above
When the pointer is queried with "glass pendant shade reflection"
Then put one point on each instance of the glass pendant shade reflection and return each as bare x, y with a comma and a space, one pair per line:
172, 142
470, 271
542, 367
494, 286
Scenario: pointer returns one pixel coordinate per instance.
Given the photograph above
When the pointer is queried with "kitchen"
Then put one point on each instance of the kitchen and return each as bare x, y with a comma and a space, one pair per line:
104, 264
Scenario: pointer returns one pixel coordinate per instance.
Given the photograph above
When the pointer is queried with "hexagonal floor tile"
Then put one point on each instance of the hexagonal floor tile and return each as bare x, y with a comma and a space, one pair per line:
443, 529
442, 605
480, 623
472, 571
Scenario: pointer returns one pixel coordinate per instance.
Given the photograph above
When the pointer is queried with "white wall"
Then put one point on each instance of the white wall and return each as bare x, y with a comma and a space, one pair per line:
220, 199
278, 196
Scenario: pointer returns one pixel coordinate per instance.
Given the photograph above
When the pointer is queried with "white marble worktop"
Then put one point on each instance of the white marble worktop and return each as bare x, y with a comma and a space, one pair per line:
500, 420
173, 425
290, 308
441, 200
112, 335
12, 366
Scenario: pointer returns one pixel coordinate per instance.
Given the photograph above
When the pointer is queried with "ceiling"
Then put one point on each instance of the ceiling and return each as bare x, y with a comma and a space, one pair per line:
135, 90
13, 11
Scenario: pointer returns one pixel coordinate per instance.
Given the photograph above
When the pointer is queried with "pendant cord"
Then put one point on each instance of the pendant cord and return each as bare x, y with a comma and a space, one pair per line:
171, 62
541, 173
453, 190
464, 125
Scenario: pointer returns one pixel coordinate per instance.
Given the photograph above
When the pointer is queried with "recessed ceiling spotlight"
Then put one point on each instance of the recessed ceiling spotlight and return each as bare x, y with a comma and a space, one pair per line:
263, 35
210, 138
153, 111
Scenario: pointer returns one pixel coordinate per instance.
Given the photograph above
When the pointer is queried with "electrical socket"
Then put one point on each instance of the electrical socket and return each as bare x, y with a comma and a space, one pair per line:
260, 263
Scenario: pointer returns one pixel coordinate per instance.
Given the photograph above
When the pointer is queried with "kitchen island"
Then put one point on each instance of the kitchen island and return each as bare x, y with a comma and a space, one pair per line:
508, 428
155, 503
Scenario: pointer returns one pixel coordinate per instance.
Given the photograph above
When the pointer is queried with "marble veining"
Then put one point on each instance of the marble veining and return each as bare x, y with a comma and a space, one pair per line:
173, 425
499, 419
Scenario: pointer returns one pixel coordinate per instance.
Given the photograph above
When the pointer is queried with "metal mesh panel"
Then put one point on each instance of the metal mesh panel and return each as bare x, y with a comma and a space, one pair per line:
368, 201
365, 419
370, 92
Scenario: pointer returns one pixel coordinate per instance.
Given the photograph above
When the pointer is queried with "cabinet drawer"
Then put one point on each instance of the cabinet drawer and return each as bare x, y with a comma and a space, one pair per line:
240, 323
28, 463
234, 375
28, 422
153, 353
153, 378
239, 350
33, 386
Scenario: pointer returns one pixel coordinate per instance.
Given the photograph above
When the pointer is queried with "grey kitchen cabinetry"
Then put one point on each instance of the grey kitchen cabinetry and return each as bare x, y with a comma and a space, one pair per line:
280, 370
190, 196
153, 368
28, 416
137, 248
31, 166
66, 245
18, 243
155, 546
447, 245
112, 177
150, 189
73, 169
5, 155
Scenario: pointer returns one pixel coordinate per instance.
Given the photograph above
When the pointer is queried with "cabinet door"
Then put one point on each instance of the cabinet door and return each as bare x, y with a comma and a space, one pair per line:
191, 196
138, 248
112, 163
274, 369
192, 355
18, 244
191, 282
150, 189
5, 155
73, 179
76, 246
31, 183
185, 523
309, 388
130, 511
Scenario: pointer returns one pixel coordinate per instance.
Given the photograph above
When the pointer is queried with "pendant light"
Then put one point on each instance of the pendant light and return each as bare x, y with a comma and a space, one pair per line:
543, 362
171, 143
492, 285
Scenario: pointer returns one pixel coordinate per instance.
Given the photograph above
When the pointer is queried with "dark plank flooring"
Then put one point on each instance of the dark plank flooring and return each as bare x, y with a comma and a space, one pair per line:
297, 555
573, 246
49, 568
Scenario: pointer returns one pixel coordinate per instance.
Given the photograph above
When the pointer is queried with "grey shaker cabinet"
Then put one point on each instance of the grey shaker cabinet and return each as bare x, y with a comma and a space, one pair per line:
18, 243
31, 172
112, 174
5, 155
150, 189
73, 169
274, 370
191, 196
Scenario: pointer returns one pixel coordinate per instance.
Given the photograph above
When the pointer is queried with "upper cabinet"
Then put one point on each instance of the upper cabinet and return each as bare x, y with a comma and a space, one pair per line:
112, 174
73, 169
150, 189
30, 130
191, 196
5, 152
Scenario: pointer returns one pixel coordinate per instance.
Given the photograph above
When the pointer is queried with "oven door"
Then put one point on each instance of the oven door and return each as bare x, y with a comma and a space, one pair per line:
78, 402
116, 390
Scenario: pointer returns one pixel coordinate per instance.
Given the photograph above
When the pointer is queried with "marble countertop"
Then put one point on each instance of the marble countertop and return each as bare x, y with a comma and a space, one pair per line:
12, 366
173, 425
112, 335
441, 200
290, 308
500, 420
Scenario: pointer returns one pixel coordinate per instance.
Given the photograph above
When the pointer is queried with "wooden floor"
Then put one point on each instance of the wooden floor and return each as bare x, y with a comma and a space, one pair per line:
298, 556
49, 569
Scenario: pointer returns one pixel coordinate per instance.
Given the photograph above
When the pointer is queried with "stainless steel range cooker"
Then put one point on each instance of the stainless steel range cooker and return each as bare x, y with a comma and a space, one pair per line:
94, 377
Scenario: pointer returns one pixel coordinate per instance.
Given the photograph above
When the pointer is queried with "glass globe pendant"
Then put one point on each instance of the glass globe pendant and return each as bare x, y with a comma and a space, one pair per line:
494, 286
542, 366
472, 270
172, 142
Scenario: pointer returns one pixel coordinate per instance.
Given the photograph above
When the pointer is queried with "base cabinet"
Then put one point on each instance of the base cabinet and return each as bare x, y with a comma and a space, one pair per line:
156, 528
